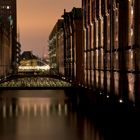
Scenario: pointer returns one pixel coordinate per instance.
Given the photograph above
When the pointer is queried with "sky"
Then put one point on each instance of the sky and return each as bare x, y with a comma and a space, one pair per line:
36, 19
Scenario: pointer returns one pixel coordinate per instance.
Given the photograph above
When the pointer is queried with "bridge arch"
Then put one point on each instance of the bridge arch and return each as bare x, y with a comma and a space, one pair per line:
35, 81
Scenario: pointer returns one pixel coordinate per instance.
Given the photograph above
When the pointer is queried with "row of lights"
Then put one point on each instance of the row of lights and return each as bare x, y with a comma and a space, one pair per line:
101, 93
5, 7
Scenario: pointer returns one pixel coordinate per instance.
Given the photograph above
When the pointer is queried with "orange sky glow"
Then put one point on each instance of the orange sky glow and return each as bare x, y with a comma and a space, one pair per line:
35, 20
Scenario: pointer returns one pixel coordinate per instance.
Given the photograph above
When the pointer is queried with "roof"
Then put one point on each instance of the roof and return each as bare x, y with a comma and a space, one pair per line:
28, 55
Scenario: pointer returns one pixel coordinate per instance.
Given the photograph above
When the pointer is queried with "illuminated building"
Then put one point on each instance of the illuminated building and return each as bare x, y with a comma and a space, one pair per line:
8, 11
31, 63
56, 48
66, 48
28, 59
5, 49
73, 52
111, 33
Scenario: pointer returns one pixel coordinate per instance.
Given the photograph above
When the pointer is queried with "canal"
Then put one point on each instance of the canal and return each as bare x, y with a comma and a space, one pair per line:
53, 115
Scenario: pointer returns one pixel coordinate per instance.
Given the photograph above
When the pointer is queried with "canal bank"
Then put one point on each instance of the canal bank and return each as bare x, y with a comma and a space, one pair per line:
95, 102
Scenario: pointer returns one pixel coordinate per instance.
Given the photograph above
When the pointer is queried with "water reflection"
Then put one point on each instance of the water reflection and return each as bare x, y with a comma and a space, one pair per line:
42, 115
32, 107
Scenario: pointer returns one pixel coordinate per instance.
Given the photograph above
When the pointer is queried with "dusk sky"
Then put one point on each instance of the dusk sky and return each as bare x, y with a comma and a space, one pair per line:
35, 20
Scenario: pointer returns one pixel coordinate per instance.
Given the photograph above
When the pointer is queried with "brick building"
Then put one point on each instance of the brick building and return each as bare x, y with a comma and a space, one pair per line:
5, 49
65, 46
73, 52
111, 47
8, 12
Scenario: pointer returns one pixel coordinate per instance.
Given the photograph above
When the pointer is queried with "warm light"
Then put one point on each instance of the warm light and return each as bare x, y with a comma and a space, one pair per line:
132, 12
116, 39
100, 93
131, 32
8, 7
22, 68
66, 109
63, 78
107, 96
120, 101
131, 55
4, 111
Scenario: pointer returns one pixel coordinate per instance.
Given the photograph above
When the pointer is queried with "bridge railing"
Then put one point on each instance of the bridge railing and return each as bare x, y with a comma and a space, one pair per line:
34, 82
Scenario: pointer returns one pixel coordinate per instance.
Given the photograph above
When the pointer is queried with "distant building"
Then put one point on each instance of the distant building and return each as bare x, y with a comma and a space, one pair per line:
31, 63
56, 48
28, 59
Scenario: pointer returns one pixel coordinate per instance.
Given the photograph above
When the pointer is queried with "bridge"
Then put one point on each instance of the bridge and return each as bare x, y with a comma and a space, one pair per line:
41, 77
34, 81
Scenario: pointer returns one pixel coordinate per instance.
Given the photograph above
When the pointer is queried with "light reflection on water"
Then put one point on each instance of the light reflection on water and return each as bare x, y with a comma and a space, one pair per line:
32, 107
42, 115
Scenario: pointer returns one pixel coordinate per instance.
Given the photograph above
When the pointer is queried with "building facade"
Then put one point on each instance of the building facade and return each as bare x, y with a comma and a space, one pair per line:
60, 50
56, 48
27, 58
8, 13
73, 52
5, 49
111, 47
66, 48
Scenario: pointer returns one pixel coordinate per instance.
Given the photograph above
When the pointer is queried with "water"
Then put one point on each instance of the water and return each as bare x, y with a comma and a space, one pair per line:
42, 115
50, 115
